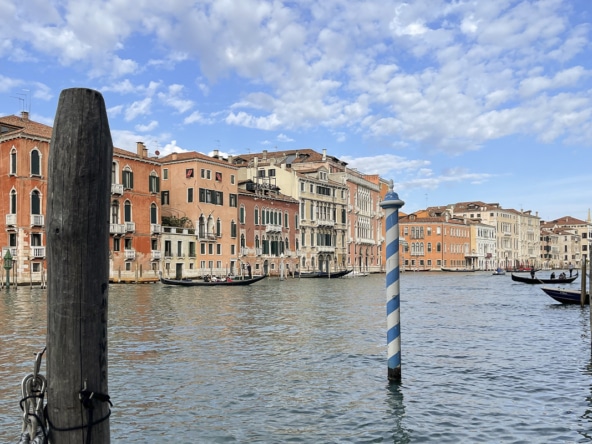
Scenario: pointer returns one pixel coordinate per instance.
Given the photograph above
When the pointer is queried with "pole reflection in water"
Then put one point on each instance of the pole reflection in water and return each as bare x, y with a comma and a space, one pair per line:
302, 360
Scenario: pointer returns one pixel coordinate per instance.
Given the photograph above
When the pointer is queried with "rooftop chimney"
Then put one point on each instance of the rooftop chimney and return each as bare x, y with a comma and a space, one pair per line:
264, 155
324, 154
25, 115
142, 150
216, 154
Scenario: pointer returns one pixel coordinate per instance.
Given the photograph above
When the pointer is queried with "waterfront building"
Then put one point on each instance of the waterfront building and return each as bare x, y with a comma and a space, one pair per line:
482, 251
134, 220
435, 240
518, 232
574, 237
559, 247
269, 235
24, 149
201, 192
305, 175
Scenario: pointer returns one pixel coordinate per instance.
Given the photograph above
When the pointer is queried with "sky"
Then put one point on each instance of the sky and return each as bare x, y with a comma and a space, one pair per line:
453, 100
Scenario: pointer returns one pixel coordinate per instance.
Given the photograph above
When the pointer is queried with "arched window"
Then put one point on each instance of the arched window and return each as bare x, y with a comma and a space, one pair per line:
153, 214
256, 241
202, 227
438, 247
128, 178
35, 202
242, 240
114, 171
13, 161
154, 183
13, 201
256, 215
242, 214
35, 163
232, 228
115, 212
127, 212
218, 228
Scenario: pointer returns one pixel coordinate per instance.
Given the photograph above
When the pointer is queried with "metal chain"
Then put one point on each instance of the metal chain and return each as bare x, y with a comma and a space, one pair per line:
33, 389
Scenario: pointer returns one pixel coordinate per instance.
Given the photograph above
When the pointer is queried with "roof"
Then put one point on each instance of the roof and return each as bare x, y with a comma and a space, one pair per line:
22, 126
289, 157
194, 156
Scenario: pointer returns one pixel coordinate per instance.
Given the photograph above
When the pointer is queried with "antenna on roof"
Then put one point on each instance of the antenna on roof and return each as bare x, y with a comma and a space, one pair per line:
22, 100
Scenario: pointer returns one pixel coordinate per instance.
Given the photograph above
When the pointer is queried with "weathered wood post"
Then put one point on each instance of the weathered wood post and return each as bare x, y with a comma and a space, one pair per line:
79, 183
391, 204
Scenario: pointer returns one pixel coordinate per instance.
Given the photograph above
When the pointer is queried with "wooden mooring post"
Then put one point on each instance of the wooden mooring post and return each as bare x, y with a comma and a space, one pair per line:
79, 183
583, 283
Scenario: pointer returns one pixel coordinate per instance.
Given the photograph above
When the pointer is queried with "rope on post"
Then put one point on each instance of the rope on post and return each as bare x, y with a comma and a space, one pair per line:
391, 204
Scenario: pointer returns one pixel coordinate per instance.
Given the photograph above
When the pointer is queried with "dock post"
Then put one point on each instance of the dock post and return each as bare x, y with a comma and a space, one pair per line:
79, 186
391, 204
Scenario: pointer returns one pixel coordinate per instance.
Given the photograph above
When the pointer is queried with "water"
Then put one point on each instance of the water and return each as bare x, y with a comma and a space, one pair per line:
483, 360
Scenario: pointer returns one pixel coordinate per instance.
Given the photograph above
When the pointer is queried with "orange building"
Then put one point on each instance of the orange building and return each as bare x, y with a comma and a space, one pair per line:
268, 228
202, 192
134, 223
434, 241
24, 153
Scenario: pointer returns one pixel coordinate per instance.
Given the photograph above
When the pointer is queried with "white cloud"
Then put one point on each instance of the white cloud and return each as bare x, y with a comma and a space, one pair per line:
138, 108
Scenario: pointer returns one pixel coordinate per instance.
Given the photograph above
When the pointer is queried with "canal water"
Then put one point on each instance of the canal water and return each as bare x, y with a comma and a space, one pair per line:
304, 361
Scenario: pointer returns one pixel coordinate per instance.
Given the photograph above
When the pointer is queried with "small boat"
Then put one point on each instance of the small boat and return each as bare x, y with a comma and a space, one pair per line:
566, 296
535, 280
499, 272
459, 270
207, 283
324, 274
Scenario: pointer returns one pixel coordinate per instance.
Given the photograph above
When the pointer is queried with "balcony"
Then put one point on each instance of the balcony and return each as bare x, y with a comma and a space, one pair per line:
117, 188
116, 229
273, 228
206, 237
325, 223
155, 228
326, 248
37, 220
37, 252
11, 219
130, 227
156, 255
130, 255
12, 251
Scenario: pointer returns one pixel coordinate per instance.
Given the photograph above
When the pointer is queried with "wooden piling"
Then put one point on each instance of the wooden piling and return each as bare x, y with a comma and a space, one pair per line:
79, 183
583, 283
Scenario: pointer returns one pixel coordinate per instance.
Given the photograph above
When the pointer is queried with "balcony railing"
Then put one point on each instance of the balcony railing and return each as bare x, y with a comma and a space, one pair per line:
130, 255
206, 237
117, 188
273, 228
325, 248
12, 251
325, 223
116, 229
155, 228
156, 255
37, 220
130, 227
37, 252
11, 219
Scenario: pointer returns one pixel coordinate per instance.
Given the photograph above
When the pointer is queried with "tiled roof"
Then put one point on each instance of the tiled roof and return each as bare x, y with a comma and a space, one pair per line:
24, 127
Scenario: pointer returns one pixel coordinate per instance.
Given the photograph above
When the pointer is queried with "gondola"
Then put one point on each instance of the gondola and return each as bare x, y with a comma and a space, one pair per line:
535, 280
566, 296
459, 270
206, 283
325, 275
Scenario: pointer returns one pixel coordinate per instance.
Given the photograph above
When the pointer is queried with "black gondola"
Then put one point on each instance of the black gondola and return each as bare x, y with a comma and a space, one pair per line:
536, 280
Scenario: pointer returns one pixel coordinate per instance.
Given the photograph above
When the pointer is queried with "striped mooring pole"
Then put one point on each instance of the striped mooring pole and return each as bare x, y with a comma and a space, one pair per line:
391, 204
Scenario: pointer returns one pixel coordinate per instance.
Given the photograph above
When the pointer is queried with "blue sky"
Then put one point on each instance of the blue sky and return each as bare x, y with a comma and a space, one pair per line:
453, 100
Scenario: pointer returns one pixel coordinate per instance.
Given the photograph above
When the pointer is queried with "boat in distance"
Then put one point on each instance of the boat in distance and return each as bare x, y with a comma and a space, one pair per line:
536, 280
460, 270
566, 296
211, 283
325, 275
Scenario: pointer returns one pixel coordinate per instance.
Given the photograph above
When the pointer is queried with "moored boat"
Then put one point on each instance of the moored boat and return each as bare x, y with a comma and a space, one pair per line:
211, 283
566, 296
536, 280
325, 275
459, 270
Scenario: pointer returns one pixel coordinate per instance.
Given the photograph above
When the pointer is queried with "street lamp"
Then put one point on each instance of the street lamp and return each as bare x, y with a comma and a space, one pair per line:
7, 267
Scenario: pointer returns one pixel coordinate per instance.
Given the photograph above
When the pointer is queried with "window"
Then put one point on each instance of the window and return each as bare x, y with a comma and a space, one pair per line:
189, 173
153, 183
164, 198
256, 216
35, 202
271, 172
13, 161
206, 174
232, 179
242, 214
12, 240
189, 195
165, 174
218, 227
153, 214
116, 244
128, 179
127, 211
168, 249
210, 248
232, 229
261, 173
191, 249
218, 176
115, 212
218, 249
285, 220
35, 163
233, 200
218, 198
179, 248
128, 244
202, 249
114, 169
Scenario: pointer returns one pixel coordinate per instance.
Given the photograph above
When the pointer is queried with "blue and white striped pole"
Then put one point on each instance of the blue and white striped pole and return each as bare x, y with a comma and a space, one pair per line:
391, 204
